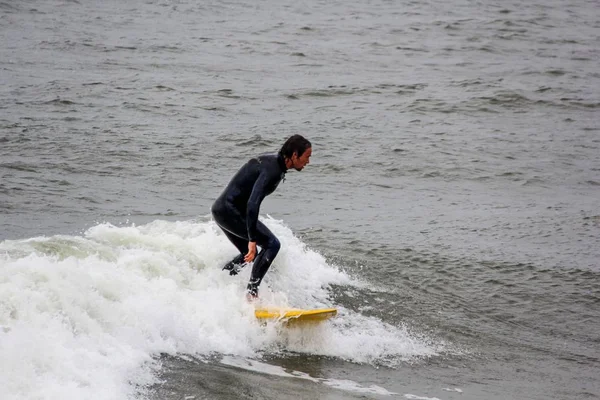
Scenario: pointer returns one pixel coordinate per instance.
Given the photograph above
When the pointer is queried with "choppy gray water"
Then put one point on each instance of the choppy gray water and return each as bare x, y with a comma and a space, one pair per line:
455, 168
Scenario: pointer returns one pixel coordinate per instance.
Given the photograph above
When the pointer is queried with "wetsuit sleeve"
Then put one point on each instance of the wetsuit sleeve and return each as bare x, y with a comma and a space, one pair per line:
256, 197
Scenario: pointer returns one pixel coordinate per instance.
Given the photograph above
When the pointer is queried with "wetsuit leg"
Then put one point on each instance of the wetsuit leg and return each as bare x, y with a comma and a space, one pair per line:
240, 243
234, 226
235, 265
230, 220
269, 248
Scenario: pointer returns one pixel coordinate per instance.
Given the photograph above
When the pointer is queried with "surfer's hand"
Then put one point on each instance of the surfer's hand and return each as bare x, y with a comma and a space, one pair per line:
251, 252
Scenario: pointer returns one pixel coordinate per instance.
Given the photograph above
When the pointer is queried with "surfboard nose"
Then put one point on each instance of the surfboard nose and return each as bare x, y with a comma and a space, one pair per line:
288, 315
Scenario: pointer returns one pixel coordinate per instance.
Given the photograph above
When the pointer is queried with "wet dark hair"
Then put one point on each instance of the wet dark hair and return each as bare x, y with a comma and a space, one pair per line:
295, 144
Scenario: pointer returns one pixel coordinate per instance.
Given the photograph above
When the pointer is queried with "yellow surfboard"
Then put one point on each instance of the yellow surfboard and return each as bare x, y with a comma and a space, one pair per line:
294, 315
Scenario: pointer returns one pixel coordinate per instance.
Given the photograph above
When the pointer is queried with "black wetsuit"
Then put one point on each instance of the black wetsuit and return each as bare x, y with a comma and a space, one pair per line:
236, 212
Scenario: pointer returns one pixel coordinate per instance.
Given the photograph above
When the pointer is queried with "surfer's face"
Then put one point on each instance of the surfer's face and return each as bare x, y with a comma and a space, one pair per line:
300, 162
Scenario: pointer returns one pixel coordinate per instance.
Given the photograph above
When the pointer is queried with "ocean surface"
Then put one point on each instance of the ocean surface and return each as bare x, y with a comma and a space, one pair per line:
451, 209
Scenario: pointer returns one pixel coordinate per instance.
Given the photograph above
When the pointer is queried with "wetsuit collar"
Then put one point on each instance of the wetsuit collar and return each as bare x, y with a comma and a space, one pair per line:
281, 162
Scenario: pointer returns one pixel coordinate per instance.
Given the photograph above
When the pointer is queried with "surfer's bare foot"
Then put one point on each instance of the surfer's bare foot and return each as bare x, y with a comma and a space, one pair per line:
234, 266
252, 290
251, 297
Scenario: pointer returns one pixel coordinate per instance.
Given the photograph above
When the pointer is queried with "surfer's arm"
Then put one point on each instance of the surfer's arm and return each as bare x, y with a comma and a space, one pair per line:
253, 207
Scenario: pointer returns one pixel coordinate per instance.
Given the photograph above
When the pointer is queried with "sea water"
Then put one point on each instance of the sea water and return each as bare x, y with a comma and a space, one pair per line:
87, 316
450, 210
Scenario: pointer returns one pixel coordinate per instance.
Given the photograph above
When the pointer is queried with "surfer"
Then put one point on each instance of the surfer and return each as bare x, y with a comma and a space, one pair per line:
236, 209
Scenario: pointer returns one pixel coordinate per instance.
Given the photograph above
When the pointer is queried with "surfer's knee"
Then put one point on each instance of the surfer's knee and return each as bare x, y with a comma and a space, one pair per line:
216, 210
274, 245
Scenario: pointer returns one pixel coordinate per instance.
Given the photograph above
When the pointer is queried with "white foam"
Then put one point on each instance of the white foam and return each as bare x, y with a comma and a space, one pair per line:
83, 317
415, 397
342, 384
458, 390
359, 339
